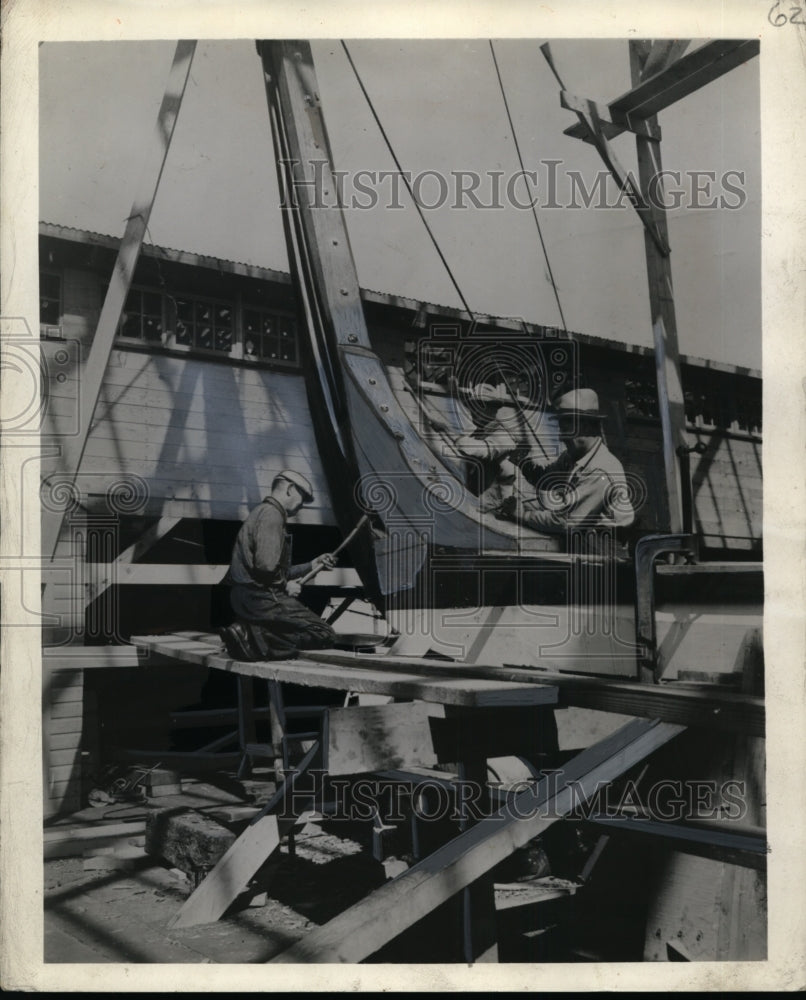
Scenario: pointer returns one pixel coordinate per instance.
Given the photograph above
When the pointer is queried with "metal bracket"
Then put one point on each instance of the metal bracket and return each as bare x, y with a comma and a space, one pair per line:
647, 551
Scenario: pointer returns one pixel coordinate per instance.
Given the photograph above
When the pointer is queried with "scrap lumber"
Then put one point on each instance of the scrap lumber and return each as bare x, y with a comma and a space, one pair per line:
75, 839
364, 928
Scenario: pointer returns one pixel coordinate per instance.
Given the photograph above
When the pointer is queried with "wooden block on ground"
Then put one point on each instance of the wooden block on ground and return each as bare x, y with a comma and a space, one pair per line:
186, 839
126, 851
155, 777
108, 862
160, 791
71, 840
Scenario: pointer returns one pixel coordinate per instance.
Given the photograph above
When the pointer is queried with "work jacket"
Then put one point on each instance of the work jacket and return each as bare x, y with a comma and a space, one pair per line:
261, 557
590, 492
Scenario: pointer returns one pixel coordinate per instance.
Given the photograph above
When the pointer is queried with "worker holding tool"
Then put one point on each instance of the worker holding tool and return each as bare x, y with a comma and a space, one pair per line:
586, 487
503, 429
271, 623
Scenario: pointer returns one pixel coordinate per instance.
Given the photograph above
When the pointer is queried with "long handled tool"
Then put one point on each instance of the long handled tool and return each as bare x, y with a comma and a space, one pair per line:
364, 520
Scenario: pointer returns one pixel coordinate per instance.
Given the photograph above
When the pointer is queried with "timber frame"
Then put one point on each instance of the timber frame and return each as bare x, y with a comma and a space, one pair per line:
660, 76
462, 865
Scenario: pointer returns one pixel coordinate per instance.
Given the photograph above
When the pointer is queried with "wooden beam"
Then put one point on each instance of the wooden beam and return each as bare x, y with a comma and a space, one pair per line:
151, 574
664, 322
70, 841
651, 94
741, 849
677, 80
588, 115
364, 928
93, 369
610, 125
725, 711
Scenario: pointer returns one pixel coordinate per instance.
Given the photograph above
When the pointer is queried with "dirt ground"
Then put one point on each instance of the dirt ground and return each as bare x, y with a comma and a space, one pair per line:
113, 903
120, 914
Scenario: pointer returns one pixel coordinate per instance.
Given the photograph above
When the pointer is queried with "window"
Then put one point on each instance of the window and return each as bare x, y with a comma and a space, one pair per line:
192, 323
269, 336
142, 317
641, 398
50, 298
204, 325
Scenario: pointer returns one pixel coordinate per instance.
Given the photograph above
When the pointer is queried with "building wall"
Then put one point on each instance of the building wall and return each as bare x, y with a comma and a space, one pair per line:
210, 434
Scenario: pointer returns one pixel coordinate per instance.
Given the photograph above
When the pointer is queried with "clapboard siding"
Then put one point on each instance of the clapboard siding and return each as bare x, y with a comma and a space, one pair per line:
193, 429
62, 737
64, 741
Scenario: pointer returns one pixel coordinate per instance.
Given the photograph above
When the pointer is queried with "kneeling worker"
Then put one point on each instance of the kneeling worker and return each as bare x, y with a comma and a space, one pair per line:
271, 624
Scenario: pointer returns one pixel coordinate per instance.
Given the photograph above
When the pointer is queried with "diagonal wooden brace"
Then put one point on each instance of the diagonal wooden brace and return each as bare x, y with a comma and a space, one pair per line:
364, 928
131, 243
589, 117
232, 874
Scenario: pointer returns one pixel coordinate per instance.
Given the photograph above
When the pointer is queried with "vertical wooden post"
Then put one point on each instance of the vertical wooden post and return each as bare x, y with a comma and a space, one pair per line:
661, 300
479, 930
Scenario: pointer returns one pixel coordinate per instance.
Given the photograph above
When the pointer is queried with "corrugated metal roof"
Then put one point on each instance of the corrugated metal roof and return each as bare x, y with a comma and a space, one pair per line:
372, 295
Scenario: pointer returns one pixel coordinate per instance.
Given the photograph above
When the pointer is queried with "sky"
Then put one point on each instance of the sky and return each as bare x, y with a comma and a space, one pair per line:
443, 110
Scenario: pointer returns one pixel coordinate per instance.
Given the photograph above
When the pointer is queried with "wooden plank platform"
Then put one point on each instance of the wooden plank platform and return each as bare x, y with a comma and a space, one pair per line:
441, 687
723, 711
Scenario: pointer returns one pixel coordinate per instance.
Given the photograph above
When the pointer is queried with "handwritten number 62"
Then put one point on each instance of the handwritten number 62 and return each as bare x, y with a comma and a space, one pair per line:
778, 19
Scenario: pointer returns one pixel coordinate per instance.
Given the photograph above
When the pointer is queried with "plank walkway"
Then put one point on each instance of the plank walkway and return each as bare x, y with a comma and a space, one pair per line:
440, 687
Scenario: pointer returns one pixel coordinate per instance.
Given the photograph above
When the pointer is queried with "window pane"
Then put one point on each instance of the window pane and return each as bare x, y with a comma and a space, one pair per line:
130, 325
251, 346
152, 328
152, 303
204, 312
133, 301
184, 311
251, 321
204, 337
183, 333
223, 340
223, 317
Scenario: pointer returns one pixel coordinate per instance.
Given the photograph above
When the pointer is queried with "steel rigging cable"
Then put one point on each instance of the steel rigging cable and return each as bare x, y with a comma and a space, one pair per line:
523, 172
405, 179
392, 153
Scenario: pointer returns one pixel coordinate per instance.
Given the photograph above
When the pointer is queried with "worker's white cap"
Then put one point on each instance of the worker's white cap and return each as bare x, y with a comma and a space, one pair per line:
299, 481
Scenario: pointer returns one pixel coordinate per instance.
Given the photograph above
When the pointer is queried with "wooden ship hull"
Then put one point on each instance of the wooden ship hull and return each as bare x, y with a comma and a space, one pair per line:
219, 375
